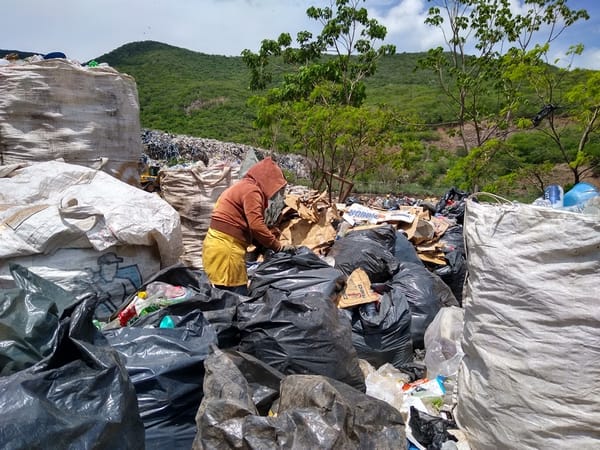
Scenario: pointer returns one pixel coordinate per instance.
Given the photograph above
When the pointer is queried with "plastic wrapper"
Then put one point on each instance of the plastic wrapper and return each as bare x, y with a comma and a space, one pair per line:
443, 349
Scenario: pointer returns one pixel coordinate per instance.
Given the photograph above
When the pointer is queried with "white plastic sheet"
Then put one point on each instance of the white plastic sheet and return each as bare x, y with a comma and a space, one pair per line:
529, 377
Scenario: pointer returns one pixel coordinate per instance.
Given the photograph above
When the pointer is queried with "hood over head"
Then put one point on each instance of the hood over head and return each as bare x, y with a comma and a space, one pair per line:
268, 176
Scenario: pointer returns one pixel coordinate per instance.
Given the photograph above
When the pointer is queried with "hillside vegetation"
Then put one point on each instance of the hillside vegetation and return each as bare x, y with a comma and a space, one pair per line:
192, 93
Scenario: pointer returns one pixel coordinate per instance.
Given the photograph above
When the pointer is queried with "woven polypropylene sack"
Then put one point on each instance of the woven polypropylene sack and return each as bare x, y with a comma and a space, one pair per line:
55, 108
529, 377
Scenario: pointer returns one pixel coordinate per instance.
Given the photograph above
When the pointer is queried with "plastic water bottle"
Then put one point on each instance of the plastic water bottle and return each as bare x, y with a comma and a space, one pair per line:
554, 194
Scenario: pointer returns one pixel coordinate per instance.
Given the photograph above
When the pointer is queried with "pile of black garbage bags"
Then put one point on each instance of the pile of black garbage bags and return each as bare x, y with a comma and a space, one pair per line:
276, 369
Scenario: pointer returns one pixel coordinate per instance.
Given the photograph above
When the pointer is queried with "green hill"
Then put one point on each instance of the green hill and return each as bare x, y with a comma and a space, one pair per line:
186, 92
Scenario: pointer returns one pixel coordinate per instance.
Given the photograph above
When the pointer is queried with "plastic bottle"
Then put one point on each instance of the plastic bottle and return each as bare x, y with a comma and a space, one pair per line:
554, 194
129, 312
160, 294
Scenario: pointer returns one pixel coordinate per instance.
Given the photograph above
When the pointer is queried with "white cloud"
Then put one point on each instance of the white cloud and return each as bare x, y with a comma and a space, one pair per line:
405, 22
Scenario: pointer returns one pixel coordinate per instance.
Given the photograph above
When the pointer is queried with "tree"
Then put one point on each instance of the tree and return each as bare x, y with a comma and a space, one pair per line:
319, 99
569, 116
498, 38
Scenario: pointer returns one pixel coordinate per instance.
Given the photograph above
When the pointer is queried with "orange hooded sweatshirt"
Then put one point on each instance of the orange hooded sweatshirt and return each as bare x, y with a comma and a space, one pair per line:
239, 211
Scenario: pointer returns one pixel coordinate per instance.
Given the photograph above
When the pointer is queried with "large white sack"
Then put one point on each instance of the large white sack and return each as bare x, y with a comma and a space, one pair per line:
57, 109
83, 228
529, 377
52, 205
193, 191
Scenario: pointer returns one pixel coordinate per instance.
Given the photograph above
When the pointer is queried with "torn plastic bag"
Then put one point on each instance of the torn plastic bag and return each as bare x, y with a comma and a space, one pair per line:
454, 273
291, 321
404, 250
264, 381
313, 412
423, 291
382, 335
356, 250
166, 366
218, 306
29, 318
78, 395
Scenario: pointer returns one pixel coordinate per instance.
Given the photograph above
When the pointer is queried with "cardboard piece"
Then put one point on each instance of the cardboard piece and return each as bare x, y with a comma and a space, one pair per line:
358, 290
302, 232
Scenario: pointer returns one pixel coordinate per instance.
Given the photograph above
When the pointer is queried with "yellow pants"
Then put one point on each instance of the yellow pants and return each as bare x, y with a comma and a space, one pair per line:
224, 259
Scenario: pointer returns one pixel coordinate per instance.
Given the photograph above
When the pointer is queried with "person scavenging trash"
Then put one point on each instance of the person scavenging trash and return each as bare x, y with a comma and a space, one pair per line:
238, 220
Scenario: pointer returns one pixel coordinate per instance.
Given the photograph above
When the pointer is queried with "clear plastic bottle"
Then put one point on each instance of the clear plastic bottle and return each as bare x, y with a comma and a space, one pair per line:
554, 194
160, 294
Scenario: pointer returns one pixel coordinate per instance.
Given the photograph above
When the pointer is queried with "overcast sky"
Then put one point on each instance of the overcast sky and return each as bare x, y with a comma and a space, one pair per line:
85, 29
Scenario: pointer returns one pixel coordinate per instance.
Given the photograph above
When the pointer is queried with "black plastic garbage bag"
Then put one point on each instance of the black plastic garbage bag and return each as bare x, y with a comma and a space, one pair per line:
356, 250
384, 235
29, 318
301, 272
452, 205
381, 334
166, 366
218, 306
312, 412
425, 293
454, 273
292, 323
430, 431
404, 250
79, 395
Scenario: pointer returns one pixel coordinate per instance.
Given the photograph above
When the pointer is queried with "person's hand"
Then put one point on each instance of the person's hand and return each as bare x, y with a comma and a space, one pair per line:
288, 248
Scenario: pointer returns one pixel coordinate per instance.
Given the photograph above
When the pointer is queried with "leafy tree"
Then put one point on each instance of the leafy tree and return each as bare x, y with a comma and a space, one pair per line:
319, 99
498, 37
569, 117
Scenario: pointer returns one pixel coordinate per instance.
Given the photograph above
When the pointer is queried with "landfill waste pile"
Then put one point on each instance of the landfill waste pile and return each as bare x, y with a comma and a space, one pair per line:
446, 323
164, 147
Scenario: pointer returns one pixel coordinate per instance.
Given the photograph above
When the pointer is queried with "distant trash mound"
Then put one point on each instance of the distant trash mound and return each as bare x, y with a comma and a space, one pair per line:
166, 146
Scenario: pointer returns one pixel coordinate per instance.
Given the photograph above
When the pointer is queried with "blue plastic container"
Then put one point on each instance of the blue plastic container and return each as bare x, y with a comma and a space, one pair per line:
579, 194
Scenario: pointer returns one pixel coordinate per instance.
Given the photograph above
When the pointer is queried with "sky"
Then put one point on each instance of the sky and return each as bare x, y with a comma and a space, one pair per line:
86, 29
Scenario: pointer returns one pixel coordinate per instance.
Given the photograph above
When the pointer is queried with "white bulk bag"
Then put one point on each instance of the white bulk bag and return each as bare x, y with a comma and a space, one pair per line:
76, 225
193, 191
529, 376
54, 108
